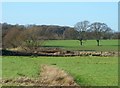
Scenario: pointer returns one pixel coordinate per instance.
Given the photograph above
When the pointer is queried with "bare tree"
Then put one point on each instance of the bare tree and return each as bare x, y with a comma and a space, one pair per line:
108, 33
81, 27
70, 34
99, 29
10, 40
30, 40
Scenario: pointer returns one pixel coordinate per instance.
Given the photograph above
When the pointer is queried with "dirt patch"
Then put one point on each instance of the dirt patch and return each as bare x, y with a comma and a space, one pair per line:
50, 76
53, 76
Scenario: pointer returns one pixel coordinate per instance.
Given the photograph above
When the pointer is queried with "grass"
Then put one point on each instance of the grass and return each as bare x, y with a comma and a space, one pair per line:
94, 71
105, 45
0, 70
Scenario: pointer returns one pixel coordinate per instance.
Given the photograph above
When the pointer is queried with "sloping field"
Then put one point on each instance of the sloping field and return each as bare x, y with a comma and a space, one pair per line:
94, 71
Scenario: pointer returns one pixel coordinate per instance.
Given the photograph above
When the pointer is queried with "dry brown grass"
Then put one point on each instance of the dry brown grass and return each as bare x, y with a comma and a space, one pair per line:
51, 75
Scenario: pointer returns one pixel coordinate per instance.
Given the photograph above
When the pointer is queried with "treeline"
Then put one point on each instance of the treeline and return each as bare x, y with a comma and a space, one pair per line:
15, 35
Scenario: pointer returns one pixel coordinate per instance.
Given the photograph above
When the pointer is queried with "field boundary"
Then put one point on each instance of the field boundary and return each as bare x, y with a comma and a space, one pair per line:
59, 53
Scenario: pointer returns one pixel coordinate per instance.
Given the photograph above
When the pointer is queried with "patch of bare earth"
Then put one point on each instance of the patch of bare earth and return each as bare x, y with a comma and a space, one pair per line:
53, 76
50, 76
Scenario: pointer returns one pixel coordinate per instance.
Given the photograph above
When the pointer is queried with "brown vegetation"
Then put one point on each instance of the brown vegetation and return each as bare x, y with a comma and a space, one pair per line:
30, 35
49, 76
58, 52
53, 76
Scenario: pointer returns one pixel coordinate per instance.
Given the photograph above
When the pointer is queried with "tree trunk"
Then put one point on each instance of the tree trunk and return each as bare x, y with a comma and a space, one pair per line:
98, 43
81, 43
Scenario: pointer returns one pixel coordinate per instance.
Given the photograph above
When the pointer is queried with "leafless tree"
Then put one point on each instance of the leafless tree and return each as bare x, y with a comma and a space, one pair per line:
70, 34
99, 30
30, 40
10, 40
81, 27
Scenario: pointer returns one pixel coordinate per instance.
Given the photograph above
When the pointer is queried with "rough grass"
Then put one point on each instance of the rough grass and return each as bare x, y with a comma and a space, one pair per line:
0, 71
53, 76
95, 71
50, 76
105, 45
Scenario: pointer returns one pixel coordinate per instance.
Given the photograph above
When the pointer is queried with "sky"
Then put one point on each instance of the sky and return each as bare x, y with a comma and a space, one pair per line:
60, 0
60, 13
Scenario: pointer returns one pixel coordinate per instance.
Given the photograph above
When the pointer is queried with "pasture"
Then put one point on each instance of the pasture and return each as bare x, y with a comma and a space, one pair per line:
86, 70
94, 71
90, 45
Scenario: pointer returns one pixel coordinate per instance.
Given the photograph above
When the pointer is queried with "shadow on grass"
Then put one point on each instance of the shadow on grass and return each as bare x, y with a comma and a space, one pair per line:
54, 46
16, 53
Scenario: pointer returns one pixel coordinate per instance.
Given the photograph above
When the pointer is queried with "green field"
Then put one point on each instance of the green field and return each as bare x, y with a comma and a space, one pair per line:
94, 71
105, 45
89, 70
